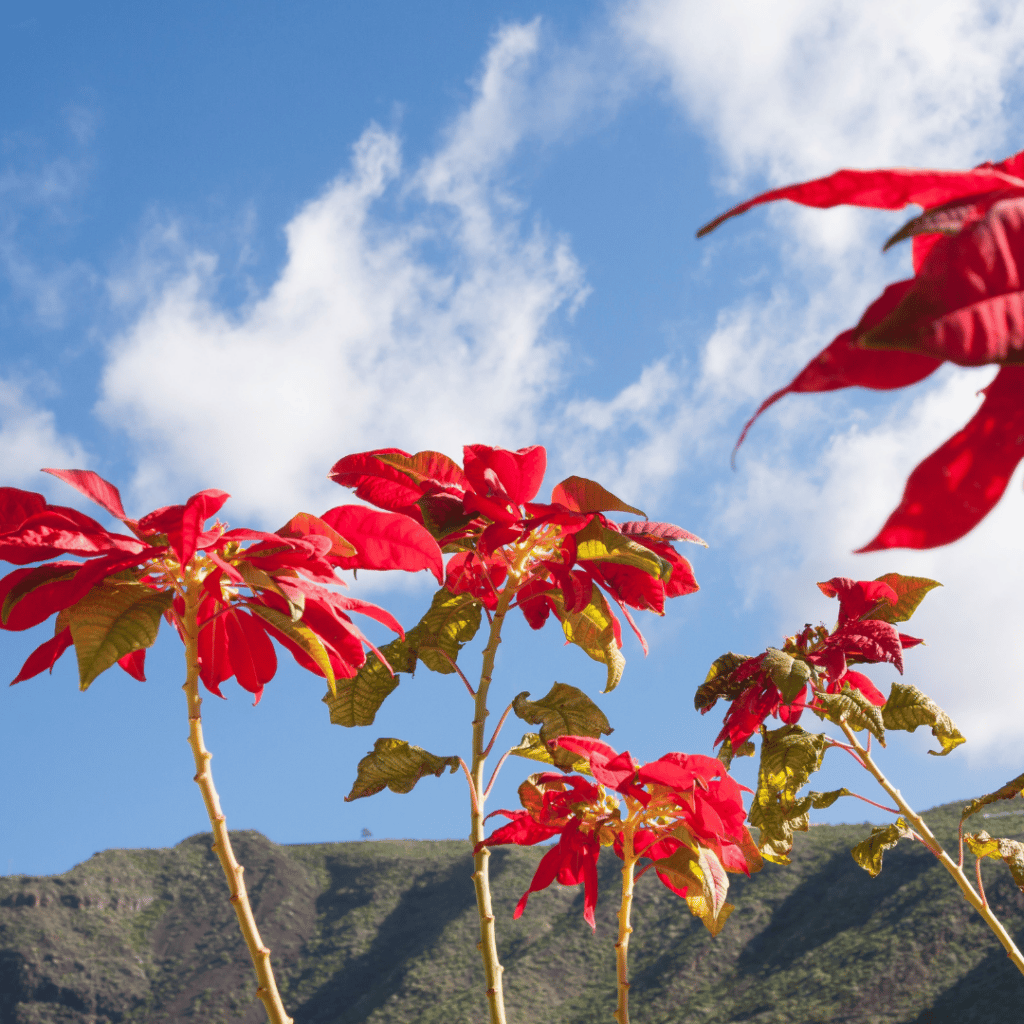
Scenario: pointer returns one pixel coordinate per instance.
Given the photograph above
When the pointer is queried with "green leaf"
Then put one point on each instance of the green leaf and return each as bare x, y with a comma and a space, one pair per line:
776, 824
583, 495
356, 701
819, 801
910, 590
256, 579
565, 711
598, 543
854, 708
1009, 851
399, 766
868, 854
299, 634
907, 708
726, 753
112, 621
1015, 787
593, 631
449, 624
718, 683
533, 747
791, 675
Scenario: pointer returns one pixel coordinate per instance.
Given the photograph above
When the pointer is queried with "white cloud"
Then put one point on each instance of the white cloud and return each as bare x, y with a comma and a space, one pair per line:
429, 329
29, 439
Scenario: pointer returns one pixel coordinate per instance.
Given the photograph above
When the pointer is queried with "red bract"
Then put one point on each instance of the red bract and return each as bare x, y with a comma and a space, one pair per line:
681, 808
246, 587
782, 683
566, 557
965, 305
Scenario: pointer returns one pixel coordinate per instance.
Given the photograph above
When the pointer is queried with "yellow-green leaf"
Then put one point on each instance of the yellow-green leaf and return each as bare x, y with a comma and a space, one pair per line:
791, 675
1009, 851
910, 590
356, 701
112, 621
533, 747
598, 543
449, 624
819, 801
726, 753
868, 854
593, 631
854, 708
256, 579
1015, 787
789, 756
564, 711
300, 635
583, 495
907, 708
709, 903
399, 766
718, 683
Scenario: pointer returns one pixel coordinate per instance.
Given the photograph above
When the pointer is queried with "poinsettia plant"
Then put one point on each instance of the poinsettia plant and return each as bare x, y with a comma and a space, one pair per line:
811, 673
564, 560
228, 593
964, 305
683, 814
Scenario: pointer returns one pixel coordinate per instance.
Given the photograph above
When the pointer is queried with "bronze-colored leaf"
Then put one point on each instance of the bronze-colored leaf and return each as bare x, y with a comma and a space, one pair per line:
450, 623
399, 766
1015, 787
907, 708
726, 753
583, 495
791, 675
868, 854
533, 747
593, 631
719, 682
564, 711
356, 701
851, 706
1009, 851
910, 590
819, 801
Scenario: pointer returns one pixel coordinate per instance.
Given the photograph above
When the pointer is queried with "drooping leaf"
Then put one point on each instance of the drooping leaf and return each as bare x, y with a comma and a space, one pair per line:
907, 708
399, 766
953, 489
449, 624
593, 630
851, 706
45, 656
910, 590
531, 746
356, 701
776, 822
112, 621
819, 801
789, 756
945, 219
256, 579
302, 636
564, 711
719, 682
583, 495
1009, 851
1013, 788
708, 903
868, 854
726, 753
791, 675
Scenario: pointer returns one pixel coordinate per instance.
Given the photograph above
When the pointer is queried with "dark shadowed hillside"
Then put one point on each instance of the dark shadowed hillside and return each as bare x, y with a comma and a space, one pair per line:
385, 932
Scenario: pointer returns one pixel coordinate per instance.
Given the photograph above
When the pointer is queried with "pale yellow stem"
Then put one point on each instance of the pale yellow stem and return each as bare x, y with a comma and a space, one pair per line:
260, 954
629, 860
972, 897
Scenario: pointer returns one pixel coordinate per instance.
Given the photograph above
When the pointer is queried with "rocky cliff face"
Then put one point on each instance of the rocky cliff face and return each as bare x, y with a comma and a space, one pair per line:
386, 932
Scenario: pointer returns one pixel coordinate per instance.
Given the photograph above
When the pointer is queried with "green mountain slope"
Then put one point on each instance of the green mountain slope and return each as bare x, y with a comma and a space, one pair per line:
385, 932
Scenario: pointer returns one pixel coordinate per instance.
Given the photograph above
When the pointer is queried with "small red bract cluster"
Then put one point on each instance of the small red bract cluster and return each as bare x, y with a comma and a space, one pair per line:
480, 510
813, 659
688, 805
964, 305
172, 550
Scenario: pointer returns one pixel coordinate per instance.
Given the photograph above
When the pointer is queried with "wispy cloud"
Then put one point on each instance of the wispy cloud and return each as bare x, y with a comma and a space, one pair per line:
30, 438
416, 308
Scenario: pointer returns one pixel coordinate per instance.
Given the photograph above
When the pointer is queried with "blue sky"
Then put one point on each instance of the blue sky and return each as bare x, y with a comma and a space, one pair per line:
240, 241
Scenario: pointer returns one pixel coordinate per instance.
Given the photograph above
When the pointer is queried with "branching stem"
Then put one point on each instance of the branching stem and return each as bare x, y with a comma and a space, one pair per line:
977, 901
260, 954
501, 722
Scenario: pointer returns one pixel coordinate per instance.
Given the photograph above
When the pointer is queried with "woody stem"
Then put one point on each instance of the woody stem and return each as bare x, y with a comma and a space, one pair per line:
260, 954
972, 897
488, 945
629, 860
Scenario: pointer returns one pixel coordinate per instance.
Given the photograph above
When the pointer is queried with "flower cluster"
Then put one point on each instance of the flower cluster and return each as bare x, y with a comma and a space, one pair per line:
566, 555
249, 587
964, 304
684, 816
782, 683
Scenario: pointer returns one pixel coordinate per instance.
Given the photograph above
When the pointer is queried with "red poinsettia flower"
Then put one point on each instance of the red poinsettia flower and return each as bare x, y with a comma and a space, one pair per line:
247, 587
567, 556
680, 804
782, 683
965, 305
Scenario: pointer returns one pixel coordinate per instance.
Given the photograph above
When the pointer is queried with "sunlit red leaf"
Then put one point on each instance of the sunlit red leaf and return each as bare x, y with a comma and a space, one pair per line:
384, 540
93, 486
513, 475
44, 657
134, 663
